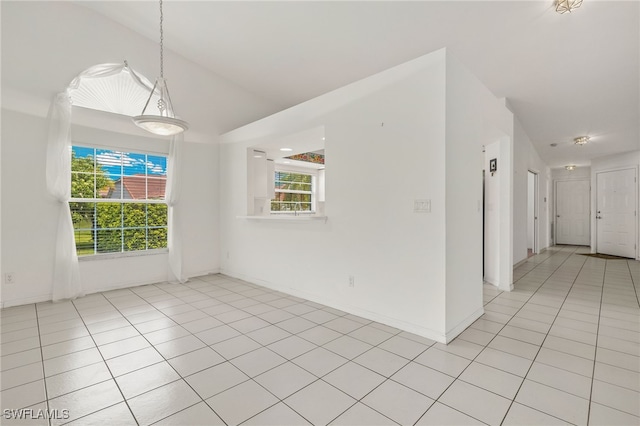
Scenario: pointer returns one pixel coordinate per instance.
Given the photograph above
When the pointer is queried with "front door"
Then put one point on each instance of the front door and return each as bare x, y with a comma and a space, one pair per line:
616, 212
572, 212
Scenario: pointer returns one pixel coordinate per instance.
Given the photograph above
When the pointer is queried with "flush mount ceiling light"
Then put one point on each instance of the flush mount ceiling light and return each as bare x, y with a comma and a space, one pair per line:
570, 167
581, 140
165, 122
286, 149
564, 6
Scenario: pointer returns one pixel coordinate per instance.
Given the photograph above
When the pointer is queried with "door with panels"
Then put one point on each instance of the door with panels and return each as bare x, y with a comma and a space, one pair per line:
616, 204
572, 212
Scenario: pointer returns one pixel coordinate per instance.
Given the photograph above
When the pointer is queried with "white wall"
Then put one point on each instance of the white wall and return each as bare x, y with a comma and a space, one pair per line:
390, 140
614, 162
496, 209
29, 214
578, 173
531, 209
373, 174
491, 217
474, 117
525, 159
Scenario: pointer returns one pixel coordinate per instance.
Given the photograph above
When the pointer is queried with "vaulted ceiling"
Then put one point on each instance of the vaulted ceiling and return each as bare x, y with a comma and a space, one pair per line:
563, 75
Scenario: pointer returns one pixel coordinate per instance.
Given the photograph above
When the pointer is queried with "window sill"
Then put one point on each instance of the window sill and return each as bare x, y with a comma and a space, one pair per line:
119, 255
286, 217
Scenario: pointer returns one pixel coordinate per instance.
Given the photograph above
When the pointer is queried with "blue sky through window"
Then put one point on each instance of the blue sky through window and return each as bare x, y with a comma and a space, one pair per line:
116, 163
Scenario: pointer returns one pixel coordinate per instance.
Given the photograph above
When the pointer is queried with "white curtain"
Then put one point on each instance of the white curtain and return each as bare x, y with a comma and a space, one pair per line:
66, 276
66, 282
106, 70
66, 273
174, 166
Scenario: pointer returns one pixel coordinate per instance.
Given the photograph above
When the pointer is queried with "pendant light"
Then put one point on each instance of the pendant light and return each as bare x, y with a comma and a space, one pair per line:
564, 6
164, 123
581, 140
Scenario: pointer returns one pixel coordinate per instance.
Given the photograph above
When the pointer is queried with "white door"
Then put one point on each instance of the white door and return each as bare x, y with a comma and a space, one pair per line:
616, 212
572, 212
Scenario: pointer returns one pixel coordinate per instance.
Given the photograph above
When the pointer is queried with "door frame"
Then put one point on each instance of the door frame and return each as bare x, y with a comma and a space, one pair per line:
536, 212
594, 221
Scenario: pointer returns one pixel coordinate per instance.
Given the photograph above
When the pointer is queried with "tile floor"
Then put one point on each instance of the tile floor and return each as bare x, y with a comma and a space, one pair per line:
562, 348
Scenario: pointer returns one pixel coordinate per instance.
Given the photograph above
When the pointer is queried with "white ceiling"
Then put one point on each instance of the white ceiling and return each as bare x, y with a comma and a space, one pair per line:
563, 75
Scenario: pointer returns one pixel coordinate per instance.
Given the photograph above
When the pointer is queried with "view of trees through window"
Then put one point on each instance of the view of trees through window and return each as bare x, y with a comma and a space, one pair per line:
293, 192
117, 201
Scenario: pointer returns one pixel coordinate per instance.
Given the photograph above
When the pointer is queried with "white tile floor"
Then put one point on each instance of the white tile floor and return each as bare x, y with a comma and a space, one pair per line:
563, 347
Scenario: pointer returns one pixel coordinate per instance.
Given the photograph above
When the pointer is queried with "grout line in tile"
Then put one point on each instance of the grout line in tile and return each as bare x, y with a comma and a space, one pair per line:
124, 398
44, 377
545, 338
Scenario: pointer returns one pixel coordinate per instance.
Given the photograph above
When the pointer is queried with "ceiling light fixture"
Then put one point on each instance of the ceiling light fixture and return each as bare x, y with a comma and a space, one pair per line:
165, 123
564, 6
570, 167
581, 140
286, 149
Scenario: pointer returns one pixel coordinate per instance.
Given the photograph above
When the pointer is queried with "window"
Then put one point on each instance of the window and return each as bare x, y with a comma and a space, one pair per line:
294, 192
117, 201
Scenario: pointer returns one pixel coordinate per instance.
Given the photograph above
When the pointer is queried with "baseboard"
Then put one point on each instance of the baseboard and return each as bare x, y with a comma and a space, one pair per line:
522, 262
127, 284
372, 316
205, 272
119, 286
453, 333
26, 301
506, 288
509, 288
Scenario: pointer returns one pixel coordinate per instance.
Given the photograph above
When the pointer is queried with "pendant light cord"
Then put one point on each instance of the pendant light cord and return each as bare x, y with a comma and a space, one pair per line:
165, 123
161, 43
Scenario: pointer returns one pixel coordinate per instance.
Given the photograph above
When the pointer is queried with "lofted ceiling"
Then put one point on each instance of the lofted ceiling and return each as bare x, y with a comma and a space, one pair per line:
563, 75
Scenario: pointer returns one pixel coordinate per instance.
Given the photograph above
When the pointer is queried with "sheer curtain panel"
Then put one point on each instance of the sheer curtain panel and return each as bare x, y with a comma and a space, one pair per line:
174, 237
66, 273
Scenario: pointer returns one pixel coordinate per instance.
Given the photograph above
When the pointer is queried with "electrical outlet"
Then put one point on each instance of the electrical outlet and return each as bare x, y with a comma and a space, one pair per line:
352, 281
422, 206
9, 278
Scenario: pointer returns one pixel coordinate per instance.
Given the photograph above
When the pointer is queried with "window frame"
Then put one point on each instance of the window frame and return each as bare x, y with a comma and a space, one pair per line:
285, 168
121, 201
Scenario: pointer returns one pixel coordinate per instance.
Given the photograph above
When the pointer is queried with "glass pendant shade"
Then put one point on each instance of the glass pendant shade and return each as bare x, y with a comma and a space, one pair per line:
564, 6
164, 123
